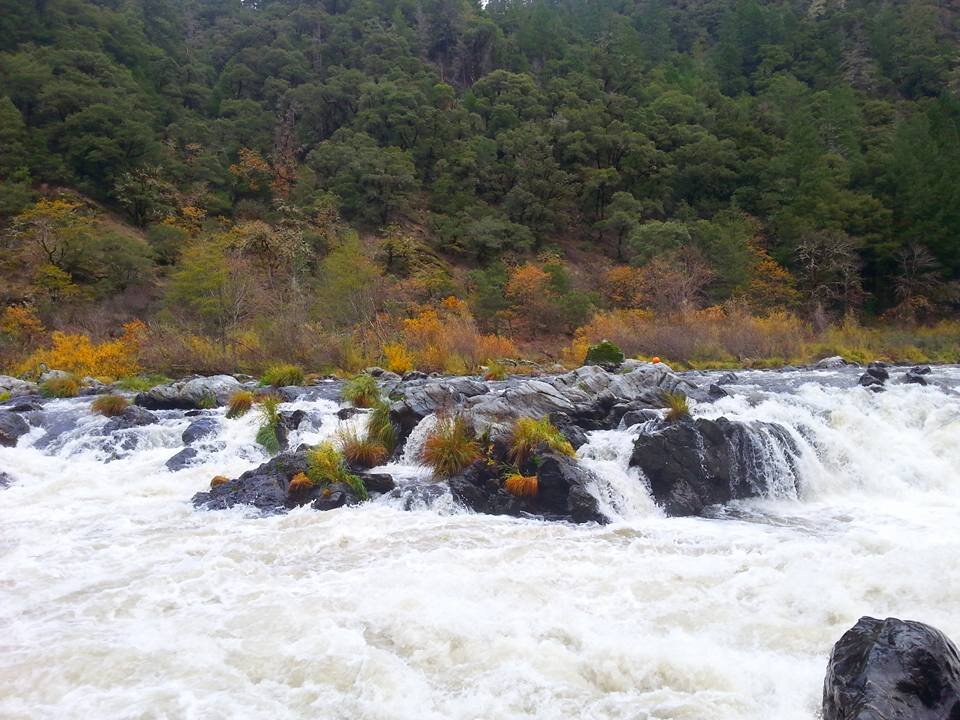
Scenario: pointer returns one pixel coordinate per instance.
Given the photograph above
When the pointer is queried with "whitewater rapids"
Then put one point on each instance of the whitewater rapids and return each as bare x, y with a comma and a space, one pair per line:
119, 600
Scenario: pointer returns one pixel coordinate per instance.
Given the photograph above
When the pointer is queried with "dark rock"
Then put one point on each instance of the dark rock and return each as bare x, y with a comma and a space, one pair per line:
376, 482
12, 427
727, 379
915, 375
562, 492
196, 413
348, 412
375, 371
5, 480
199, 429
892, 670
418, 496
878, 370
266, 488
870, 380
26, 407
183, 459
716, 392
291, 419
693, 464
132, 416
636, 417
574, 434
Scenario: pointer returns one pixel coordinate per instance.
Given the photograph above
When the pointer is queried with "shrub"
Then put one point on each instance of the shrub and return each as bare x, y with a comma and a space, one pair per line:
380, 427
80, 355
528, 434
450, 447
362, 391
219, 480
239, 403
282, 374
300, 481
109, 405
677, 407
495, 371
361, 450
603, 353
396, 358
4, 396
60, 387
325, 464
521, 485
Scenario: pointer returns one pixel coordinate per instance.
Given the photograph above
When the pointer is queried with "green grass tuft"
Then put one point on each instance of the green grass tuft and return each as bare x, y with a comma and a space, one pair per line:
362, 390
282, 374
325, 464
109, 405
528, 434
450, 447
677, 406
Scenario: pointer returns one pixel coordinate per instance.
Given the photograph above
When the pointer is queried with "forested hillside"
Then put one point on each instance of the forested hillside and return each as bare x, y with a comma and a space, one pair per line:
439, 183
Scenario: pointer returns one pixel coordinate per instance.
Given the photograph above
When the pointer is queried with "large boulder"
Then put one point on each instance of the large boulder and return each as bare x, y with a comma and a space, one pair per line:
267, 488
587, 395
892, 670
199, 392
15, 387
562, 491
131, 417
423, 397
693, 464
12, 427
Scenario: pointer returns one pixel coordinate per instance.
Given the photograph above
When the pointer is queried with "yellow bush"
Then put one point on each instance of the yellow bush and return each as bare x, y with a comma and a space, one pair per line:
396, 358
78, 354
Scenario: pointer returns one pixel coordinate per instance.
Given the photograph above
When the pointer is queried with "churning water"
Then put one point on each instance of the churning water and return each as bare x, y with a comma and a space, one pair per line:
119, 600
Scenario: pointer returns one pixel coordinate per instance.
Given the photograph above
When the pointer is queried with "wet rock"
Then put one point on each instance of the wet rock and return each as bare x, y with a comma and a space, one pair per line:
878, 370
716, 392
573, 433
5, 480
26, 407
12, 427
131, 417
183, 459
414, 375
637, 417
891, 670
562, 491
418, 495
267, 488
727, 379
376, 482
693, 464
91, 386
916, 375
195, 393
830, 363
15, 387
871, 382
199, 429
425, 397
348, 412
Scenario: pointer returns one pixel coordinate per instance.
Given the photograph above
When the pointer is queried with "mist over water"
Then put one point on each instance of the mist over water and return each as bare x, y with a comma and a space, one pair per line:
119, 600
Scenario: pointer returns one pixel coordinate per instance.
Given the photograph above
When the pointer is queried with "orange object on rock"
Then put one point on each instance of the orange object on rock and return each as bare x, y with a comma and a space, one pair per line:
654, 359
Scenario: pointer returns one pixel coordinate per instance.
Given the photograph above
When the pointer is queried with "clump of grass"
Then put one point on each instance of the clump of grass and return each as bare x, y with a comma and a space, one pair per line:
362, 390
300, 481
450, 447
325, 465
239, 404
63, 386
495, 371
4, 396
361, 450
282, 374
380, 428
208, 401
109, 405
218, 480
142, 383
677, 406
521, 485
269, 422
528, 434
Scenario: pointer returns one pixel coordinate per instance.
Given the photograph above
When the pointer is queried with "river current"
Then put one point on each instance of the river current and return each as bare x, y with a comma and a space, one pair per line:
119, 600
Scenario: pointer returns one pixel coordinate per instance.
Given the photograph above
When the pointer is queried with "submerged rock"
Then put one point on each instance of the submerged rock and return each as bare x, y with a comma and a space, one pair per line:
183, 459
891, 670
916, 375
12, 427
195, 393
693, 464
199, 429
5, 480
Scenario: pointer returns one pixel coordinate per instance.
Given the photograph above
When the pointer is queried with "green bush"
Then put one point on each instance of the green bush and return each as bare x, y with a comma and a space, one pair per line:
267, 435
362, 390
603, 353
380, 428
528, 434
325, 464
282, 374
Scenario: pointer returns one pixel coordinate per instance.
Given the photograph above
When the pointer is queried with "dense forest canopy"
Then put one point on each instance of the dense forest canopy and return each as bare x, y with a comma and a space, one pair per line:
225, 159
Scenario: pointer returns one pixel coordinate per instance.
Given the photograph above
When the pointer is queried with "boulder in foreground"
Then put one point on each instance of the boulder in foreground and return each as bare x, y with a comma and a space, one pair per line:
892, 670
